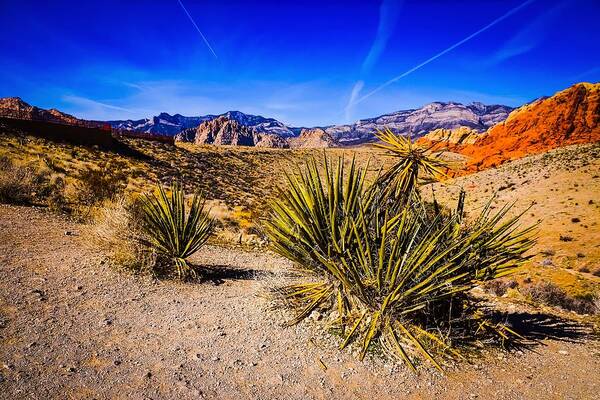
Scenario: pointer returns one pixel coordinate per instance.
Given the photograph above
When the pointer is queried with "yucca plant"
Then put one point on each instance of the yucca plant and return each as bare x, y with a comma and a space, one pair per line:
171, 230
414, 165
387, 266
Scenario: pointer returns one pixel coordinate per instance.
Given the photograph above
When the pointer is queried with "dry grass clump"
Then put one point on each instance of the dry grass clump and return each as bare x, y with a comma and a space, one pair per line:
94, 186
31, 183
384, 265
116, 230
550, 294
499, 287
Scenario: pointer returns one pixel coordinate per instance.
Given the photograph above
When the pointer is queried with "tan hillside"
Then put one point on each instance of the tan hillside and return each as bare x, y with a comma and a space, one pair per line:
561, 187
217, 337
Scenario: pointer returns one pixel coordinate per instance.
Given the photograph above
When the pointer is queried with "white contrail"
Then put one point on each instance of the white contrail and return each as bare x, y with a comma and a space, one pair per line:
471, 36
198, 29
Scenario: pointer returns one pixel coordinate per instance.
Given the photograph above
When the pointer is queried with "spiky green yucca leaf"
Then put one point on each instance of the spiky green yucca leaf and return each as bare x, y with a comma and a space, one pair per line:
414, 164
172, 231
389, 267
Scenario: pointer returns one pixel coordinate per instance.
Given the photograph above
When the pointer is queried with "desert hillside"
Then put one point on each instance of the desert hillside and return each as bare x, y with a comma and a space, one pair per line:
559, 191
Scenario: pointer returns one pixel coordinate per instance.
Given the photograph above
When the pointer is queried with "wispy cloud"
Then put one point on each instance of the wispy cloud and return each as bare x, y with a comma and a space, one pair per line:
84, 101
528, 37
358, 86
198, 29
388, 15
443, 52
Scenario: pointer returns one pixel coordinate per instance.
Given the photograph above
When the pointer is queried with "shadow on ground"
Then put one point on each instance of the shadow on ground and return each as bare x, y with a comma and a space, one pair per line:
219, 274
538, 326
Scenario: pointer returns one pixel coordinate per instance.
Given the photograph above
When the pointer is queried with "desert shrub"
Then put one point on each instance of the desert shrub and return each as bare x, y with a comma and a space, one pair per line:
550, 294
116, 230
96, 185
596, 272
385, 265
16, 182
173, 232
30, 184
565, 238
499, 287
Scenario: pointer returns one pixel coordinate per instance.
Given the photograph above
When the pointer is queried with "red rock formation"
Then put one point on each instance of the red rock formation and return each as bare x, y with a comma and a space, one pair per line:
14, 107
571, 116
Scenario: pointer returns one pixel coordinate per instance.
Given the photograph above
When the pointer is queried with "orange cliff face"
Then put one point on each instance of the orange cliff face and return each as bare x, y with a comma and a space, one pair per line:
571, 116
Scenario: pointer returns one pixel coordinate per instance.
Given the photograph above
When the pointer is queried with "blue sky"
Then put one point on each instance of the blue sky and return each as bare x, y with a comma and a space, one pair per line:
305, 63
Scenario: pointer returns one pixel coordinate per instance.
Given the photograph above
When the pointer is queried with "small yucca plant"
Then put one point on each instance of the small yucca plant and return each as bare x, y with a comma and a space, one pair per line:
389, 267
173, 232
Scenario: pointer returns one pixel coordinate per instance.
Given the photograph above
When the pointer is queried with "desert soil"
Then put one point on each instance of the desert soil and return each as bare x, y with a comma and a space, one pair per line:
71, 326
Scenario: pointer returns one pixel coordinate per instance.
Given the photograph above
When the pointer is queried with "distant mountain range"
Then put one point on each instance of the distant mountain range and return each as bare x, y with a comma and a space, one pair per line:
166, 124
415, 122
418, 122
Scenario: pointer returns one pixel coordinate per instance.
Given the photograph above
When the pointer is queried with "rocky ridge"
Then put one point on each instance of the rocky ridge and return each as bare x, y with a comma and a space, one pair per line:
418, 122
15, 107
571, 116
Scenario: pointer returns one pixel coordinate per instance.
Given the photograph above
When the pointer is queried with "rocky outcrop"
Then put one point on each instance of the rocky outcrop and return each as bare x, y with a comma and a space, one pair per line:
270, 140
569, 117
224, 131
312, 138
462, 135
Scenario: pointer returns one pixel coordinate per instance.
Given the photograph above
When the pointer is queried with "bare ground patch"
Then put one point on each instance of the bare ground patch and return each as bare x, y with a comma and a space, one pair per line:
73, 327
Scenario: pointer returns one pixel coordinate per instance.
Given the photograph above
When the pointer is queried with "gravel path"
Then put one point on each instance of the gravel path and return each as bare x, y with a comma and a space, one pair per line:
72, 327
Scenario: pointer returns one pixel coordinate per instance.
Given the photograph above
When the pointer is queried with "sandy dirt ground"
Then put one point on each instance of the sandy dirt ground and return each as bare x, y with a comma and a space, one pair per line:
72, 327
